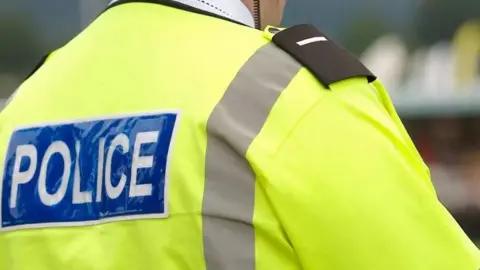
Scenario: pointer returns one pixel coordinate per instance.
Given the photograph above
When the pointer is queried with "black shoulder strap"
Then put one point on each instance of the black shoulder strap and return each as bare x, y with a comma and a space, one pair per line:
328, 61
38, 66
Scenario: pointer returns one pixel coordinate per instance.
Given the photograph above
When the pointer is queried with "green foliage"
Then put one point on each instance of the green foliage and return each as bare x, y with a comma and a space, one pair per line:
19, 47
439, 19
365, 29
18, 43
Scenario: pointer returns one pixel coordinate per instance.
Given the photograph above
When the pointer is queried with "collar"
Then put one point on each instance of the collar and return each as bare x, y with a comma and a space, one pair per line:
232, 9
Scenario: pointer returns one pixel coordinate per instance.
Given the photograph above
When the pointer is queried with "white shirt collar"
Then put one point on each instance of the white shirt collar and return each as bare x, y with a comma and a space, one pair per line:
232, 9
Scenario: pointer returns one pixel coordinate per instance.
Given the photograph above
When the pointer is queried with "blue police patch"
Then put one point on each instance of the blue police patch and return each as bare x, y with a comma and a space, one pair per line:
89, 172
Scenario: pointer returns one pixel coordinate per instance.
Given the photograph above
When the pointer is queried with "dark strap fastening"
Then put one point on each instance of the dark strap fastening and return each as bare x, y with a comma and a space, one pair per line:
38, 66
328, 61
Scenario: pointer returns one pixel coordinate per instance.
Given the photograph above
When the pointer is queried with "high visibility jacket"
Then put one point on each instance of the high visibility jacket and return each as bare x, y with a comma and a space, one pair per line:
161, 138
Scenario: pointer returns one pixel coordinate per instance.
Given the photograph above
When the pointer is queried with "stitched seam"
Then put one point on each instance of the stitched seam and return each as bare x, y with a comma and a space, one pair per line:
215, 7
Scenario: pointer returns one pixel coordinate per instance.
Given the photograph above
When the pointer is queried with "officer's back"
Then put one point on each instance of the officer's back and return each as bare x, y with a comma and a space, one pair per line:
161, 138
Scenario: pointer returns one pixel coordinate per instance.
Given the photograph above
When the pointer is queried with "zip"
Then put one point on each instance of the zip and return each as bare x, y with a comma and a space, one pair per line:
256, 14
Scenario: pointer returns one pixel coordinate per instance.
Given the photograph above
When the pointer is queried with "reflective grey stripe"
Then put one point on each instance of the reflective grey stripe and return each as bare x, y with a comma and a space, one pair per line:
228, 202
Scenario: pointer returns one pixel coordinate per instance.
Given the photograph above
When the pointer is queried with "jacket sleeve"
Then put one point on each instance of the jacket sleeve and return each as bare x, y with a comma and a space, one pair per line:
352, 192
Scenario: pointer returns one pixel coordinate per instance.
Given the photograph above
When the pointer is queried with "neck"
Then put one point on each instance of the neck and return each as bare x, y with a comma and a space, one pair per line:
232, 9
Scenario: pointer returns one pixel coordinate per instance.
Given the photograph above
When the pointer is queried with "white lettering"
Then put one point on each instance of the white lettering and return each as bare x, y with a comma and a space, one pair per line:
18, 177
79, 197
311, 40
101, 157
139, 162
53, 199
114, 192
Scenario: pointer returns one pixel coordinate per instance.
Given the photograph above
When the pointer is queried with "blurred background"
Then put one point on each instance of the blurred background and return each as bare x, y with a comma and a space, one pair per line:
427, 53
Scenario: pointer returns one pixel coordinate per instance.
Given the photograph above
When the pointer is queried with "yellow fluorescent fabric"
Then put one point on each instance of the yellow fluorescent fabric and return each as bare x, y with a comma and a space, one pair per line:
349, 188
332, 180
135, 58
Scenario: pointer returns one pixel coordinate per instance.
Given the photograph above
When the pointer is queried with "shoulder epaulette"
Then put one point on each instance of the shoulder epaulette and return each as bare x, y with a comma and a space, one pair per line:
328, 61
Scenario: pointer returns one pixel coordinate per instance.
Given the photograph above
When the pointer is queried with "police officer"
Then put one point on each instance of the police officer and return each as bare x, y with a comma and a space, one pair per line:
175, 135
